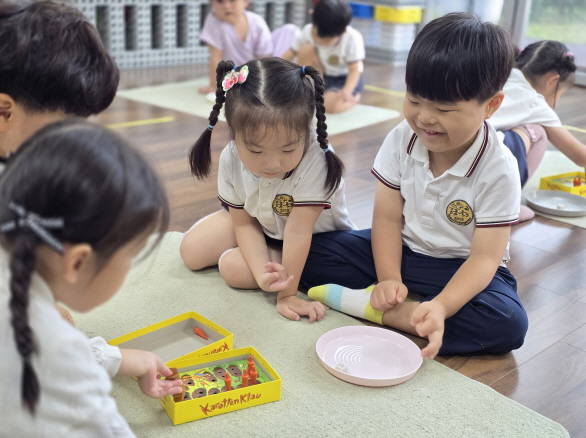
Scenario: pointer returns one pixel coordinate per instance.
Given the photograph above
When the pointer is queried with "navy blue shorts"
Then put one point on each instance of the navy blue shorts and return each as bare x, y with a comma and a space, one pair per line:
515, 143
334, 83
493, 322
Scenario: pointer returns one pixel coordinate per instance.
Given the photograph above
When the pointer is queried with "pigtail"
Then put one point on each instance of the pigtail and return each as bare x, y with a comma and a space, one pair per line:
335, 167
22, 265
200, 157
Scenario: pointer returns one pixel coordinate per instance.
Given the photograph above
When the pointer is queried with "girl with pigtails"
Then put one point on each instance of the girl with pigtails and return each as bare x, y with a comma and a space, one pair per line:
526, 120
76, 205
278, 180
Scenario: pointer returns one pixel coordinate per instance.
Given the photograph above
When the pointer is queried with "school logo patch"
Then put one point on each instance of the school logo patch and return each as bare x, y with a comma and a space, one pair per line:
283, 204
334, 60
459, 212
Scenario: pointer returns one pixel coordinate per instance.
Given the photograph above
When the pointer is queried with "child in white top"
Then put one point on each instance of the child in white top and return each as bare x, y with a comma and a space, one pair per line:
543, 72
336, 49
447, 196
76, 205
279, 182
232, 32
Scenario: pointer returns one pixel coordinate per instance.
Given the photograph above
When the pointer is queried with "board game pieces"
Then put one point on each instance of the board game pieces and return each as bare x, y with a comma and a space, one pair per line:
245, 378
253, 375
175, 376
577, 181
199, 332
228, 382
250, 363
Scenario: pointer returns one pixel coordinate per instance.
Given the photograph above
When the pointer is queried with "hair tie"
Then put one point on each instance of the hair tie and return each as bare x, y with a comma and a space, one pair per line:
328, 149
210, 127
233, 77
36, 224
303, 70
568, 54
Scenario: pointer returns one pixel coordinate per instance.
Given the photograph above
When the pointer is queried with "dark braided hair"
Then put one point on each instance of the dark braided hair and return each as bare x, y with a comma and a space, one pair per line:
277, 93
544, 57
103, 190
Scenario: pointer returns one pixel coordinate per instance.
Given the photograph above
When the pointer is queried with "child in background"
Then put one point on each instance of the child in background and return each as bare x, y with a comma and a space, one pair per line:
331, 45
447, 195
76, 205
543, 72
232, 32
278, 182
47, 73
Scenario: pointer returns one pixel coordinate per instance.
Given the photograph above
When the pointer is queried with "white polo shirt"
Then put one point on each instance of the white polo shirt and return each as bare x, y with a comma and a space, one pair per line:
441, 214
335, 58
270, 200
521, 105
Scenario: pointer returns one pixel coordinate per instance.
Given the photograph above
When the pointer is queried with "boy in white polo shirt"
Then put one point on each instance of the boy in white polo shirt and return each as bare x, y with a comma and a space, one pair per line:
447, 195
332, 46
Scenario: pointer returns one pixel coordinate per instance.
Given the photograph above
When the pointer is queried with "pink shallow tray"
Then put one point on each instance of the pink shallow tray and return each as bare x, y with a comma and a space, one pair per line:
368, 356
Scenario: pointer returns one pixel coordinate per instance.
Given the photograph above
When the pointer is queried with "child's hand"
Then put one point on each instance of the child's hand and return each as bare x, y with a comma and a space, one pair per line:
151, 383
294, 308
275, 278
206, 90
347, 96
428, 319
387, 293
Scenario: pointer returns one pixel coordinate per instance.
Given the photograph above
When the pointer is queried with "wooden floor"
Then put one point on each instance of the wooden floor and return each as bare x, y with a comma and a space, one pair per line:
547, 374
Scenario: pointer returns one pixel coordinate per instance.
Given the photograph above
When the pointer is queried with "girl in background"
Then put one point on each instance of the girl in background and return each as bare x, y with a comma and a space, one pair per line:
76, 205
542, 73
279, 181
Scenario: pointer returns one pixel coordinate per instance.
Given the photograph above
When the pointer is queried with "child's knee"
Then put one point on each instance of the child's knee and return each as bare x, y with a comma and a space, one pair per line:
511, 331
230, 267
537, 135
189, 253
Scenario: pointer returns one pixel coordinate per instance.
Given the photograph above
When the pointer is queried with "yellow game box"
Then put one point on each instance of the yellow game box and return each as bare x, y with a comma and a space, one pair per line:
222, 383
565, 183
181, 337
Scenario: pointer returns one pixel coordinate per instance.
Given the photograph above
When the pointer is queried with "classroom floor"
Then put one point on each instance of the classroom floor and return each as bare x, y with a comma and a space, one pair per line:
547, 374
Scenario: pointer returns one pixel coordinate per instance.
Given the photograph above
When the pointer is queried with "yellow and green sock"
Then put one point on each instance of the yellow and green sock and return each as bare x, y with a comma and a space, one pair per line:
350, 301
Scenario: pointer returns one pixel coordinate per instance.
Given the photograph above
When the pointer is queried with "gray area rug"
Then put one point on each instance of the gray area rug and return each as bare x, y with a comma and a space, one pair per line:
184, 97
436, 402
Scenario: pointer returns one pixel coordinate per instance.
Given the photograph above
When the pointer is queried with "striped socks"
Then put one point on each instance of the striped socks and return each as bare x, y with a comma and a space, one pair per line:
350, 301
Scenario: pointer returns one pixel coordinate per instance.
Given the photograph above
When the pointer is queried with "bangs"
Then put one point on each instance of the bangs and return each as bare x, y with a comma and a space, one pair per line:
442, 77
254, 124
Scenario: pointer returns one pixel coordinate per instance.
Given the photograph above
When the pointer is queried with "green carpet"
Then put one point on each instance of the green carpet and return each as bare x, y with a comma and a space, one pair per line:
554, 163
184, 97
436, 402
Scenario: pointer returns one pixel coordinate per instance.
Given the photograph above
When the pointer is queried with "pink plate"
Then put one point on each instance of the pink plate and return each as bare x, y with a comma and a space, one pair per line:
368, 356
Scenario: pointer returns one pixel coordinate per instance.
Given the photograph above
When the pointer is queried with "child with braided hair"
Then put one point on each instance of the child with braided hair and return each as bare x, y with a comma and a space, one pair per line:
76, 205
278, 180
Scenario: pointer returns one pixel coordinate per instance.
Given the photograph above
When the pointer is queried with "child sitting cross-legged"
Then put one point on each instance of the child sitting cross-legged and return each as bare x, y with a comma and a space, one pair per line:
448, 192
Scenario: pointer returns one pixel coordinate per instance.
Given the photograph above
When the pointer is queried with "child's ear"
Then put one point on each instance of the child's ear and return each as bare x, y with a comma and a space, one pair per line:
493, 104
6, 111
77, 260
552, 82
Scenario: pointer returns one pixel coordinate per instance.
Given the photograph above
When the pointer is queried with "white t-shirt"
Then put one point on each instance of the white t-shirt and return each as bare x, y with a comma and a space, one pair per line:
270, 200
522, 105
441, 214
335, 58
75, 390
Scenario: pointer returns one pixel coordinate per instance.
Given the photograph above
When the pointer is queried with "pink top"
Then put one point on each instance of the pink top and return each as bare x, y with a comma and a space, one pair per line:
223, 36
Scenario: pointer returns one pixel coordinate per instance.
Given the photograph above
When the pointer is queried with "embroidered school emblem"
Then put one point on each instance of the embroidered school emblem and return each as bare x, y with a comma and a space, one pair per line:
283, 204
334, 60
459, 212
